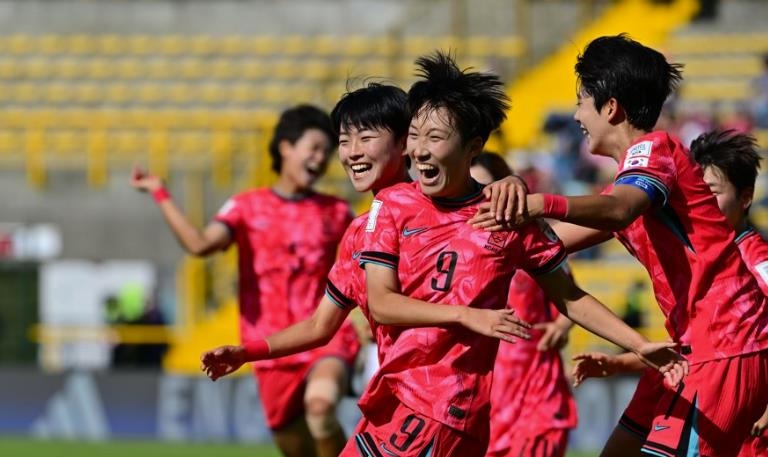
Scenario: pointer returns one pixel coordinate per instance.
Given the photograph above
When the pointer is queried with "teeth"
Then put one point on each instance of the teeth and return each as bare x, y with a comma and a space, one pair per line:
425, 167
360, 167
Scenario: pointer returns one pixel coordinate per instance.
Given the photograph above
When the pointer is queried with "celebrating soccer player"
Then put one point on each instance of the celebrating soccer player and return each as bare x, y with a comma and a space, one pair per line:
287, 237
662, 211
532, 407
372, 123
730, 161
431, 394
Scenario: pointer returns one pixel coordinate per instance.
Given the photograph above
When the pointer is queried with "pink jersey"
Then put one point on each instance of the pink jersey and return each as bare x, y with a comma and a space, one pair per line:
346, 282
754, 251
711, 302
530, 393
445, 372
286, 248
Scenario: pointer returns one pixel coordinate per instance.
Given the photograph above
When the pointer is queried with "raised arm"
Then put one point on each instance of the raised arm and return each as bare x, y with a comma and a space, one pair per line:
193, 240
311, 333
389, 307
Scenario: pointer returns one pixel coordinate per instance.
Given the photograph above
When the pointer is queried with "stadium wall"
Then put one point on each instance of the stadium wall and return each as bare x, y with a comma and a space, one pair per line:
150, 405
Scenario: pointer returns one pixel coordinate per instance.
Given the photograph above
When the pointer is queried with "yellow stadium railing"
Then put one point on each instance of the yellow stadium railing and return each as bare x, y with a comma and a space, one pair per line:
551, 85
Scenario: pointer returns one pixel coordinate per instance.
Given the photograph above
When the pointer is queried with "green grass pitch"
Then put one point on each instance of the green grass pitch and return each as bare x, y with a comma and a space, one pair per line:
26, 447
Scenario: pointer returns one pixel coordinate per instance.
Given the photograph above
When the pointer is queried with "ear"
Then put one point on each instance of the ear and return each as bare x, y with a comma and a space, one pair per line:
402, 144
285, 147
475, 147
746, 198
612, 110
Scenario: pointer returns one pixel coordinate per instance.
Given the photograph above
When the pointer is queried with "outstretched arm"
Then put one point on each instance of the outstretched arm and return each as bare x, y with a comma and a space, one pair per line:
310, 333
589, 313
610, 212
575, 237
388, 306
193, 240
600, 365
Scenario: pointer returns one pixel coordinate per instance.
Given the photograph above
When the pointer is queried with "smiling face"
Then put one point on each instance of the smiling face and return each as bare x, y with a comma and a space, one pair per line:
441, 159
594, 124
731, 203
305, 161
372, 158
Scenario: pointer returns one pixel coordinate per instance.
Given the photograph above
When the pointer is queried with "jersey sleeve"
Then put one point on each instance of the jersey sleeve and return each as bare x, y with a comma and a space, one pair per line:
542, 251
340, 288
649, 166
381, 242
230, 214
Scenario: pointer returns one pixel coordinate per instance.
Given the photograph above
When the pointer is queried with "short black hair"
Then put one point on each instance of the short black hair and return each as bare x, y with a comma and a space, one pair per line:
291, 126
374, 106
638, 77
476, 101
496, 166
733, 153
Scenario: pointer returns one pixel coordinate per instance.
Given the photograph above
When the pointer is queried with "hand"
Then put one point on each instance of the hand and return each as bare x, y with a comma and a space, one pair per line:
144, 182
761, 424
222, 361
555, 336
593, 365
485, 219
496, 323
507, 198
663, 357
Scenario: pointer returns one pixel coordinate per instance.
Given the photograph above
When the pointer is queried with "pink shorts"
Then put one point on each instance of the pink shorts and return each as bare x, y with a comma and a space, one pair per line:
710, 414
281, 390
400, 431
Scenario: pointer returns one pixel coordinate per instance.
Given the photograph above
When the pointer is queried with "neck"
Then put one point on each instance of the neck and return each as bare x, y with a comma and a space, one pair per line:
741, 226
403, 176
467, 187
288, 188
625, 138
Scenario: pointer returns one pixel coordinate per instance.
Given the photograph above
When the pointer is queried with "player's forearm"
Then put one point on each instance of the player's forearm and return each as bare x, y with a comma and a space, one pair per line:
311, 333
589, 313
190, 237
602, 212
628, 363
564, 323
391, 308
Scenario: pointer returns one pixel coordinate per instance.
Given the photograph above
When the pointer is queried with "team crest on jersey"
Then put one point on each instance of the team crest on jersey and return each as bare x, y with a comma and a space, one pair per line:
373, 214
226, 207
642, 149
762, 269
638, 155
496, 241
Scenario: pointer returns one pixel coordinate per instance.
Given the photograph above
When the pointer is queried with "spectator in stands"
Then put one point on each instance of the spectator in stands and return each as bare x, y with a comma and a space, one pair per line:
760, 96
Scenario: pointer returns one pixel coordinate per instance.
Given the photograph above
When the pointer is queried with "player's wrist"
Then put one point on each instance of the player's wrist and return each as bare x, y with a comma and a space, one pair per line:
256, 350
554, 206
160, 194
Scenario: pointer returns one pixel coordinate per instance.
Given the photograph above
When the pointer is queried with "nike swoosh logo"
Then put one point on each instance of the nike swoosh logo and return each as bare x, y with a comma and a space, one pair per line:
409, 232
356, 254
658, 428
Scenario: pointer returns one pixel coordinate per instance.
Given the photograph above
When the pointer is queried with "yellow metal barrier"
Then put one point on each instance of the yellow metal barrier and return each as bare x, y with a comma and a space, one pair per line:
551, 85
